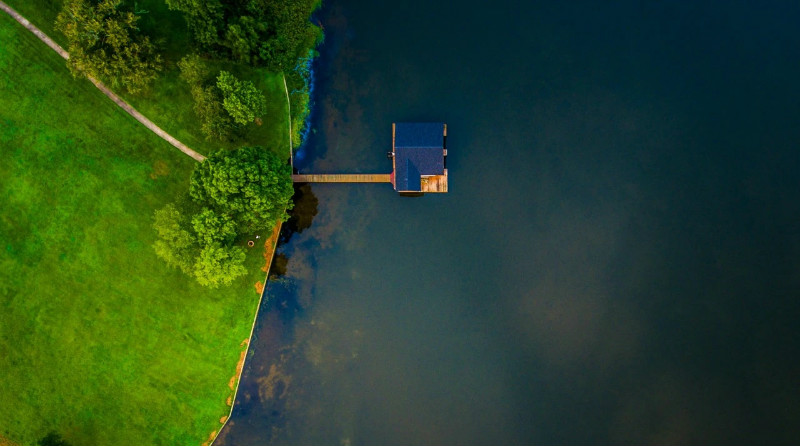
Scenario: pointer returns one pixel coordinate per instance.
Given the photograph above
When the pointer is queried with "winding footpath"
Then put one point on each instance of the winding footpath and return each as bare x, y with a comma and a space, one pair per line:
100, 86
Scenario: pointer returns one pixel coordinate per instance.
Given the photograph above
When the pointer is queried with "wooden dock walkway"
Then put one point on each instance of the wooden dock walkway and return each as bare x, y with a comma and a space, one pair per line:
343, 178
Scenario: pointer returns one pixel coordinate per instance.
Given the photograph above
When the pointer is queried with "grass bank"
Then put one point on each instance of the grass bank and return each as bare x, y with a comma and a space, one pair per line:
99, 341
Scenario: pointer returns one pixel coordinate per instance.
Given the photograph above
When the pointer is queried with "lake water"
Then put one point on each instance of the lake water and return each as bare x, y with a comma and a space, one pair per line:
617, 260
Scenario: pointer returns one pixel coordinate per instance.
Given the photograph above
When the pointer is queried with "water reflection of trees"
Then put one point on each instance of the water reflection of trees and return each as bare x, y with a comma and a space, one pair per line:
300, 218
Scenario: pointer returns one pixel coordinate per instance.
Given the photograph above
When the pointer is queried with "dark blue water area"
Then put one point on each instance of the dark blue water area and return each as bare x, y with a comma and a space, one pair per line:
617, 260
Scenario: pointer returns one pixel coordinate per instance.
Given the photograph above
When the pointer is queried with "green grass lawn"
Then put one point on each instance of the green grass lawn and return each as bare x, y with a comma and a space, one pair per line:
99, 341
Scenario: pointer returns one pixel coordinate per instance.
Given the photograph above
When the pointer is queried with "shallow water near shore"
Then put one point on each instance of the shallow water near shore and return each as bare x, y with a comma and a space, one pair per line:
617, 260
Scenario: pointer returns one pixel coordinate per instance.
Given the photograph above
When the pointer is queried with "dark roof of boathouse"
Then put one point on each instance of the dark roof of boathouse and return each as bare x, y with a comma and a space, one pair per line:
418, 150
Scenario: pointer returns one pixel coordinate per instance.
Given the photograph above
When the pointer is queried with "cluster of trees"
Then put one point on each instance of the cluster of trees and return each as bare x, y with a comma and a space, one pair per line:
269, 33
105, 43
231, 193
223, 104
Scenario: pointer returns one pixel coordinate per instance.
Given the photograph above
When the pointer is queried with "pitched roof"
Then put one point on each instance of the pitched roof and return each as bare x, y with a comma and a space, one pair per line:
419, 150
419, 135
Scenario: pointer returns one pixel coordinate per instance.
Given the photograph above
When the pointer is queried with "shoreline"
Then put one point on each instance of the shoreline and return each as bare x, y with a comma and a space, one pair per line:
270, 246
270, 251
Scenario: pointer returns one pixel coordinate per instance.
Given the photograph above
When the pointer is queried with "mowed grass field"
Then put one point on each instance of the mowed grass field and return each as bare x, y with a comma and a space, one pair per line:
99, 341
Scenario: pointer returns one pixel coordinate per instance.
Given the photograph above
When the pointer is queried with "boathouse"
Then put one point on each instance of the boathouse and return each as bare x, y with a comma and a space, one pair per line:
419, 161
419, 157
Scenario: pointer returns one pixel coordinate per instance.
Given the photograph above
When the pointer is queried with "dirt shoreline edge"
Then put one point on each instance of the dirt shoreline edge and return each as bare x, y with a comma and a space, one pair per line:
270, 246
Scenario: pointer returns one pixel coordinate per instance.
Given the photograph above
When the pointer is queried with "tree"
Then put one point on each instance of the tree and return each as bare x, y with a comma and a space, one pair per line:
251, 185
204, 17
241, 99
294, 34
215, 122
105, 43
242, 38
175, 244
219, 265
211, 227
53, 439
271, 33
193, 69
231, 192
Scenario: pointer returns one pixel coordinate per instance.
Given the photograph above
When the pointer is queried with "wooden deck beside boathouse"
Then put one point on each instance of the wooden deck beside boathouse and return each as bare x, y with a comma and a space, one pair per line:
419, 161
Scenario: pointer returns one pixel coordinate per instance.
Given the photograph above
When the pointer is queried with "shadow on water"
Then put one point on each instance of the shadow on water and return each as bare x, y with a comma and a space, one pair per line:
302, 215
260, 403
265, 382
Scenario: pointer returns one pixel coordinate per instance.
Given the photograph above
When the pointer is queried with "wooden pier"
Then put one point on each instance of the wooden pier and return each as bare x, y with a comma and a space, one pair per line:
343, 178
419, 162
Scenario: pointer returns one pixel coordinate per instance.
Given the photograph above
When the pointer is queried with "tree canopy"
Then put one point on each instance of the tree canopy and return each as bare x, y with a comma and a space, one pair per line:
105, 43
251, 185
232, 193
241, 99
271, 33
175, 243
215, 121
219, 265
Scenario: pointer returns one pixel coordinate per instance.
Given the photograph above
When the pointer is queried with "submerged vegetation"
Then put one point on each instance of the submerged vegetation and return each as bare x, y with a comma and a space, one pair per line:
100, 342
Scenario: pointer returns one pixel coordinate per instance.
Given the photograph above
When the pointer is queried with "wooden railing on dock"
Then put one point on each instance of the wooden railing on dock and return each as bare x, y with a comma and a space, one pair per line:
342, 178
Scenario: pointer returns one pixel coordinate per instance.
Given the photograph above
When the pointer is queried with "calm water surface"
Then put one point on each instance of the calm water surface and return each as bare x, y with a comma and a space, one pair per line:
617, 261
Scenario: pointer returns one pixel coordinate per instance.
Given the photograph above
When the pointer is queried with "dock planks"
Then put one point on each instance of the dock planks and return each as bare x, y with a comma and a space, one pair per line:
434, 183
342, 178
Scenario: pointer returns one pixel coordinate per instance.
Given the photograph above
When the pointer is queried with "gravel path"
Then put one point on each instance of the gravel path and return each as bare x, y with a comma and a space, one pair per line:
122, 104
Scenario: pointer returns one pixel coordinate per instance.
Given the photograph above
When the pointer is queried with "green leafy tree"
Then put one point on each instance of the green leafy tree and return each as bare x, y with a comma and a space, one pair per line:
205, 19
242, 38
271, 33
219, 265
241, 99
193, 69
232, 192
250, 184
175, 244
215, 122
293, 34
105, 43
212, 227
53, 439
